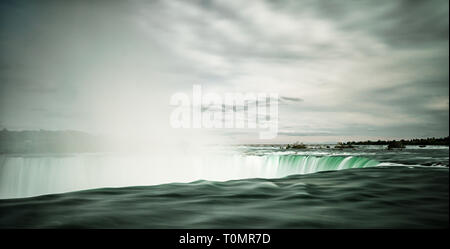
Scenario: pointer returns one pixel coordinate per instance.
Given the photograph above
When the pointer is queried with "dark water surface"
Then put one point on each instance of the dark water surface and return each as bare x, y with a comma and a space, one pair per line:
377, 197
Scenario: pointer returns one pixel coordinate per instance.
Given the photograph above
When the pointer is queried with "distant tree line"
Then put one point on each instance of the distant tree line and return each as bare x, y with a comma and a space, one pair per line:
416, 141
391, 144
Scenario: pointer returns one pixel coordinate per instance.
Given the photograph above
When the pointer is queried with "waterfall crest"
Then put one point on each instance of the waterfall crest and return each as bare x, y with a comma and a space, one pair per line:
25, 176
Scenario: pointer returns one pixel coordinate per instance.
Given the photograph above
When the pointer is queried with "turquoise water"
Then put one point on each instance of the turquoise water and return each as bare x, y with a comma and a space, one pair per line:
260, 187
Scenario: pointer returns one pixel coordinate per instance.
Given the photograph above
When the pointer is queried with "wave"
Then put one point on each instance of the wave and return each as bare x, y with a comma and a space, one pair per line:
373, 197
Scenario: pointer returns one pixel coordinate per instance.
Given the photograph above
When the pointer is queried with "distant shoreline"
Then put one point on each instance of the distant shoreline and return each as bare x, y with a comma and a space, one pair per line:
43, 141
423, 141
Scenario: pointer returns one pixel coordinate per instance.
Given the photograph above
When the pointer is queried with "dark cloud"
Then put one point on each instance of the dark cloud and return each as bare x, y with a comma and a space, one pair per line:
291, 99
305, 134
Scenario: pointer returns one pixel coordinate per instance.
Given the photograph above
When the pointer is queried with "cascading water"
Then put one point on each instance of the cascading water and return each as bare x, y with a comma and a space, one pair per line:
294, 164
25, 176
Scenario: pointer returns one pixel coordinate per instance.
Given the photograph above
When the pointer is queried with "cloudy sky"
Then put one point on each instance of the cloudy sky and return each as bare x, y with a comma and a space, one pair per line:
344, 70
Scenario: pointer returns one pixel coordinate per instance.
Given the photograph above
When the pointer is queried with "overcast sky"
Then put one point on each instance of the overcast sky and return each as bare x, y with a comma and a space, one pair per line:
345, 70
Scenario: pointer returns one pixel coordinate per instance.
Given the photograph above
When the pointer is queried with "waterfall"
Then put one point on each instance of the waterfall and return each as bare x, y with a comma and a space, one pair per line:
25, 176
